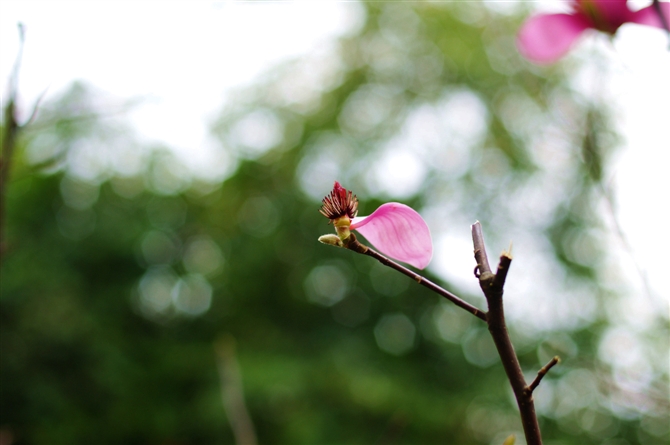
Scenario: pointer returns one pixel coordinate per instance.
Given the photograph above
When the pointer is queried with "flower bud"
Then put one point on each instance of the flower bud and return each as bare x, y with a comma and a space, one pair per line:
331, 239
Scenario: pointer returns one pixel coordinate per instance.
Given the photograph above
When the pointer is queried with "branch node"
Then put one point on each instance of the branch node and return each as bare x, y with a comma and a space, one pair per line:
353, 244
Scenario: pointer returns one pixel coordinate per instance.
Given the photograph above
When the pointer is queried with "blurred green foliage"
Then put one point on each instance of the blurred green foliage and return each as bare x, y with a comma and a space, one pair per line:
124, 268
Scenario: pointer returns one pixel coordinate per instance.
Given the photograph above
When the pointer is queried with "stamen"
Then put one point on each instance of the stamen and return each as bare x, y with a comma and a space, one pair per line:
339, 202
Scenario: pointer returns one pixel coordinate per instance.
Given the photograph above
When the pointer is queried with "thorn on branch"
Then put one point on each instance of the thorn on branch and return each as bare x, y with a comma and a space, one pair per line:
508, 252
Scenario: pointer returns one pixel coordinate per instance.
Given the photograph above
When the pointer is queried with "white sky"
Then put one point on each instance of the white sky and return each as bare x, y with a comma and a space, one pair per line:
184, 55
188, 55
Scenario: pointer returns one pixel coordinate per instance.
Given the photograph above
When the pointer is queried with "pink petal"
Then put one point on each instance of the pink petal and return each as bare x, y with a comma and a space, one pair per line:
649, 16
546, 38
399, 232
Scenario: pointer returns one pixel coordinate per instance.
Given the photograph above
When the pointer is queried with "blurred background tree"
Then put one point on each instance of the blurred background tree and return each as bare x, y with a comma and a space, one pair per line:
124, 268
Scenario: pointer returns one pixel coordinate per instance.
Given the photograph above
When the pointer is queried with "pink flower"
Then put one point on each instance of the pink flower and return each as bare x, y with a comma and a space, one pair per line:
545, 38
394, 229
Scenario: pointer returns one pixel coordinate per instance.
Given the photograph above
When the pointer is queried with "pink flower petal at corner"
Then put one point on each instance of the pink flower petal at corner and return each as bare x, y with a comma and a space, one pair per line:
546, 38
399, 232
648, 16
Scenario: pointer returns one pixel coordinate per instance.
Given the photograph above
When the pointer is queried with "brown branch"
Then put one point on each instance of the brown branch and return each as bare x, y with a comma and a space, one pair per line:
11, 132
480, 250
356, 246
492, 286
503, 267
541, 373
232, 393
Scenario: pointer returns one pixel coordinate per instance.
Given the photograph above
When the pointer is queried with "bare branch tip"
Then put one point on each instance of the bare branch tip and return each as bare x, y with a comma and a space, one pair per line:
541, 373
554, 361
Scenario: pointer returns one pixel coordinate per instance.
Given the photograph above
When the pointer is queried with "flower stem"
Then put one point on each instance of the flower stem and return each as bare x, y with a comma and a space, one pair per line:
354, 245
